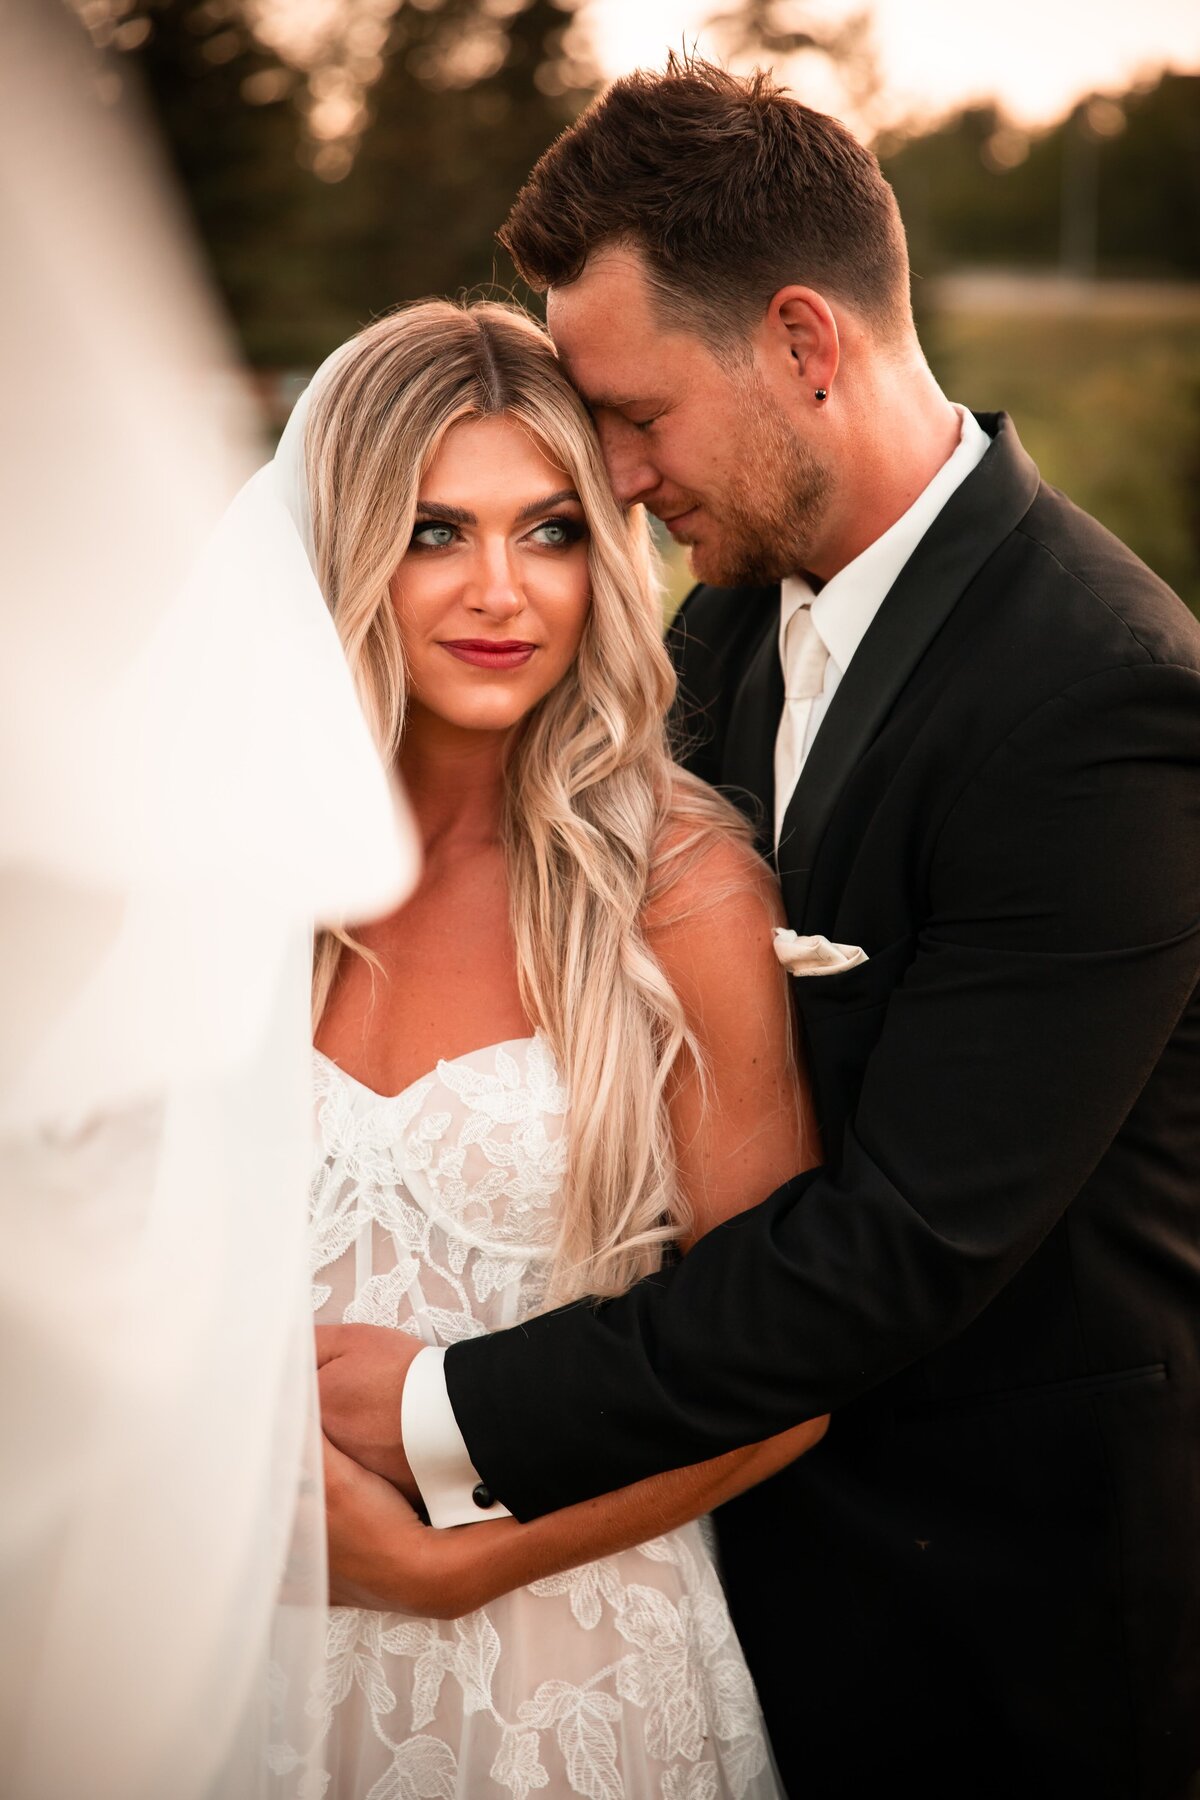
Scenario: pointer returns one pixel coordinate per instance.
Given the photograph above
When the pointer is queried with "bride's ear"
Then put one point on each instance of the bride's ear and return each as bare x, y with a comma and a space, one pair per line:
801, 342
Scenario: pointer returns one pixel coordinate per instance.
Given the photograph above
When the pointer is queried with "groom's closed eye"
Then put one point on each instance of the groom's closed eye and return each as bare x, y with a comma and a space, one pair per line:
625, 404
638, 415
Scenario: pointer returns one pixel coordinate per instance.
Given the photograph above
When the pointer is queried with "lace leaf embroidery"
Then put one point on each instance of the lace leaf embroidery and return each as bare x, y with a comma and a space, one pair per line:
428, 1675
368, 1672
378, 1300
582, 1720
434, 1658
663, 1677
331, 1238
434, 1213
744, 1758
585, 1588
478, 1652
423, 1768
696, 1783
589, 1746
732, 1696
492, 1273
453, 1327
517, 1764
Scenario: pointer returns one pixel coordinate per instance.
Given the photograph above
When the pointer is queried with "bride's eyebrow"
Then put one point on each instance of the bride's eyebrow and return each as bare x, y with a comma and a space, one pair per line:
459, 515
540, 506
453, 515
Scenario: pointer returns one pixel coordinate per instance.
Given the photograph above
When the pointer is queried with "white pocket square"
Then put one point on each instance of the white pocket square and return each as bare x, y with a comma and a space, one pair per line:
814, 955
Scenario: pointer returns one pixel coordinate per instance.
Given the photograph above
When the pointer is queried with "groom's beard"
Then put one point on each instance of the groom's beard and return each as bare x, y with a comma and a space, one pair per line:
769, 517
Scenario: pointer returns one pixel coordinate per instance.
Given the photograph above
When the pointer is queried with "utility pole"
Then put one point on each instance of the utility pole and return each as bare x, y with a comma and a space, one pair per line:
1080, 196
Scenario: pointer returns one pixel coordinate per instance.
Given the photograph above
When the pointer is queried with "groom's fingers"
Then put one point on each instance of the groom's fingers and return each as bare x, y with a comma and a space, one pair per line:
361, 1374
342, 1474
335, 1460
329, 1343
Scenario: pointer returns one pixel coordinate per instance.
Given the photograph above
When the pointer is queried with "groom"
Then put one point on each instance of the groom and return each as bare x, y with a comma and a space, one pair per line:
967, 723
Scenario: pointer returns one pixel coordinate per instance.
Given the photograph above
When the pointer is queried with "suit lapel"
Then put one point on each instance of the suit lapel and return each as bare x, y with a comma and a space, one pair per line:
974, 521
749, 759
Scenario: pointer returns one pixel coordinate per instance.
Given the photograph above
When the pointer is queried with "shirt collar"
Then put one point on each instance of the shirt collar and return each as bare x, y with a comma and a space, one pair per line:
848, 602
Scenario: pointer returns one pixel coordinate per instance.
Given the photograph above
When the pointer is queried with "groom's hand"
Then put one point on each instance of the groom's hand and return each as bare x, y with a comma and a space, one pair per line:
361, 1370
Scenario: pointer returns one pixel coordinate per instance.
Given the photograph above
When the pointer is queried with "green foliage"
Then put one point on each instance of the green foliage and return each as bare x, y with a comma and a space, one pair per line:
235, 163
1107, 402
440, 168
303, 262
1104, 385
976, 190
1150, 200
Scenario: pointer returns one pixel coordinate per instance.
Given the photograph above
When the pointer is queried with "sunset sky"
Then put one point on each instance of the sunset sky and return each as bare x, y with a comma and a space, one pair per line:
1036, 56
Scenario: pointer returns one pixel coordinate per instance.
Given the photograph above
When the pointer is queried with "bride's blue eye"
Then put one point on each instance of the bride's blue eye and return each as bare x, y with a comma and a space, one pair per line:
433, 534
557, 534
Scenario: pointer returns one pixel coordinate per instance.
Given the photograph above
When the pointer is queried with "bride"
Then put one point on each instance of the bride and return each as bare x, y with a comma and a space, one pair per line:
563, 1059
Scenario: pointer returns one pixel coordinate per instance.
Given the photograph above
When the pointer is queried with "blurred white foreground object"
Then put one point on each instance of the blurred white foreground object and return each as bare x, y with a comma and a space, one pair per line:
186, 783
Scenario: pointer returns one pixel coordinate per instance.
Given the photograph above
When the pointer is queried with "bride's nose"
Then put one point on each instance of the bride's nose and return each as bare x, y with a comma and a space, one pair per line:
495, 588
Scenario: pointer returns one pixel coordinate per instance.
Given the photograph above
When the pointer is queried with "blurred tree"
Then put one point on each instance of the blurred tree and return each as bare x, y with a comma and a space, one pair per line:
1150, 199
218, 98
789, 31
1189, 471
328, 188
1114, 188
465, 106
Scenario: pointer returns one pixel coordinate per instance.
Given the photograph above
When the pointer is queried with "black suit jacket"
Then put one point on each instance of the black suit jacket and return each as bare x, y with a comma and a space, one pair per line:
994, 1279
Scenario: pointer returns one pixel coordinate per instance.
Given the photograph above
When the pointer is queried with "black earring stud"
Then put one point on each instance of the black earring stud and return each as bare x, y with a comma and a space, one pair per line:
821, 393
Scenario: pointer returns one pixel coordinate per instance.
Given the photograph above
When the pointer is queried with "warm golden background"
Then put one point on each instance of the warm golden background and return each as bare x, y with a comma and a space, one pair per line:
341, 156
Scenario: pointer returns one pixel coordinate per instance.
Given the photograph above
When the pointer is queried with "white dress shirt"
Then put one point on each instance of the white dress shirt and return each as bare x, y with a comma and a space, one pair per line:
848, 602
804, 656
841, 612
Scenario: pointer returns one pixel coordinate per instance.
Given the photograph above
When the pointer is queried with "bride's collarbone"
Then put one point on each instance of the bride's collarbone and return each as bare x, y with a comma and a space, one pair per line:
442, 982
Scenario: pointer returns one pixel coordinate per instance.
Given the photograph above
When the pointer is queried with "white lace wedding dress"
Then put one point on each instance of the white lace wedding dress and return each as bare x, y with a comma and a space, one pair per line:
432, 1212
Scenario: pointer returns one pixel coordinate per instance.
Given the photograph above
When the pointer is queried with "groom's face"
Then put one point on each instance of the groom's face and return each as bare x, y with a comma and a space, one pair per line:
702, 443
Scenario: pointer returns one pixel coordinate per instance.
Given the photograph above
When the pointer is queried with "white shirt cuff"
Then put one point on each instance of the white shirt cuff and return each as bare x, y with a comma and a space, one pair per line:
437, 1454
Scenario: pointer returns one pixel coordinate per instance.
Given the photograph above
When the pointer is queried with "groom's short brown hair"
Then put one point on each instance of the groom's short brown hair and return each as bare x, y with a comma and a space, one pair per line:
728, 187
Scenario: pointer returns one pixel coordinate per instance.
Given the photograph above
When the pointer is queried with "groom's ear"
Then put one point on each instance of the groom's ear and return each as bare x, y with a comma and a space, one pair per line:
800, 339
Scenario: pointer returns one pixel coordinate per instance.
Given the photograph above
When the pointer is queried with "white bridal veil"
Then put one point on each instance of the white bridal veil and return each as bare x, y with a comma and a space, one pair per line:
186, 783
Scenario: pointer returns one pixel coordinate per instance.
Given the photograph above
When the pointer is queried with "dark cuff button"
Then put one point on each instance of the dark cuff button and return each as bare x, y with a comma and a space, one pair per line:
482, 1496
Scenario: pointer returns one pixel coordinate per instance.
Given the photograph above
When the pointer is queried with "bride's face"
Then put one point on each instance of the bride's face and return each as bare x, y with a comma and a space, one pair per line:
492, 593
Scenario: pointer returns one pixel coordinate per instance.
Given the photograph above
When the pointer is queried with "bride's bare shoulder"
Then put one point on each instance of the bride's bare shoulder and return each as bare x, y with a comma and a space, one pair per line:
713, 902
741, 1115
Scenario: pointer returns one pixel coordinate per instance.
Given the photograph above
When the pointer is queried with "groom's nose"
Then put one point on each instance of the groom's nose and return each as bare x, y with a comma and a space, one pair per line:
629, 469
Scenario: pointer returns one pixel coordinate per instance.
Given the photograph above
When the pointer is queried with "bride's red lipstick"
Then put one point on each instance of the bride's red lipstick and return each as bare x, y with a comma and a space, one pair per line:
486, 653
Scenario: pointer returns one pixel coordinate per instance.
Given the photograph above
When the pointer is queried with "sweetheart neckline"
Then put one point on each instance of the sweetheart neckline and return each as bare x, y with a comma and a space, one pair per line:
442, 1062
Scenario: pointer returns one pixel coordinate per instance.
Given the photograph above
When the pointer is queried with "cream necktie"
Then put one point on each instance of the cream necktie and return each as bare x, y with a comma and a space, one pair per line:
804, 660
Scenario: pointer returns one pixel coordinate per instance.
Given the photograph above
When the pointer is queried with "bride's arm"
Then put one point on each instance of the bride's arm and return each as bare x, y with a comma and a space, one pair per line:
383, 1557
739, 1133
749, 1121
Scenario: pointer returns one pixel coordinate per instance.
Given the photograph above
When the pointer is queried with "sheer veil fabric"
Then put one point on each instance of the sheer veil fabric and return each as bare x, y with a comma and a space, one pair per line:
186, 784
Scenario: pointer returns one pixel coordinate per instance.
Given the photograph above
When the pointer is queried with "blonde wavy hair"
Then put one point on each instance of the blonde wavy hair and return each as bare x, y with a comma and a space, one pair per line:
598, 822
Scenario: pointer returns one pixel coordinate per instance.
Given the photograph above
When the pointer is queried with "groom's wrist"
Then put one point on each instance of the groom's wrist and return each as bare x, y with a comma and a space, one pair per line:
449, 1484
